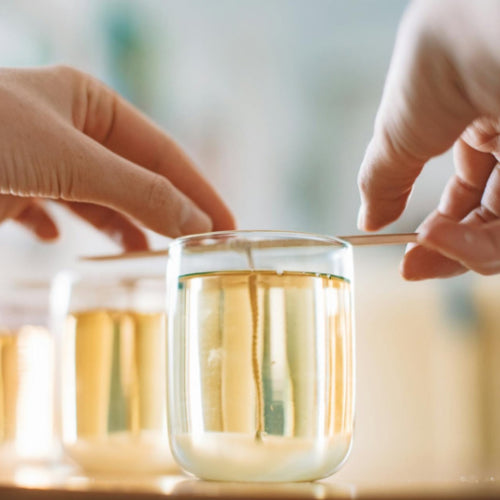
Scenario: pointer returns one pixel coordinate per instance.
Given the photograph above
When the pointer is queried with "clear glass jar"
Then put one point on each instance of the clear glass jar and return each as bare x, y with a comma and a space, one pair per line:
260, 343
26, 374
113, 366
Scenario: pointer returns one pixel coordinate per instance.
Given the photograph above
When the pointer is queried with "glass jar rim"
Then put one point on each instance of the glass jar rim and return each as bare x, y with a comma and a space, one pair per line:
257, 236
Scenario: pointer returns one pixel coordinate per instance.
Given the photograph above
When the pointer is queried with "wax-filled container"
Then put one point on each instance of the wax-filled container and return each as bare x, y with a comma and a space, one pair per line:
260, 355
26, 374
112, 362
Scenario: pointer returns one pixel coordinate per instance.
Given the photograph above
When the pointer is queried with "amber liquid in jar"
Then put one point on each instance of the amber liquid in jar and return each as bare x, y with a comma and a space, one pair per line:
114, 391
269, 387
26, 394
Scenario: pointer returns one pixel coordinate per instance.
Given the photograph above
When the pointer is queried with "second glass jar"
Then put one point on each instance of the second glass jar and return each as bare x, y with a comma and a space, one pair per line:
112, 359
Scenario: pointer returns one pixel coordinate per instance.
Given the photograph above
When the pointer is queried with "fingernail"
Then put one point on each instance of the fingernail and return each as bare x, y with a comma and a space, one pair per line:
195, 221
361, 217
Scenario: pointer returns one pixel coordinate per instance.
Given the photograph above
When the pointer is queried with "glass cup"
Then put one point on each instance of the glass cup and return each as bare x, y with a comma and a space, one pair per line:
112, 340
26, 375
260, 355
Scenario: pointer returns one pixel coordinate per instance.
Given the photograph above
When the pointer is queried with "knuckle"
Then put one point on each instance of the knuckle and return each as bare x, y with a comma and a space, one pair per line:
398, 143
486, 264
158, 195
487, 214
68, 186
99, 105
75, 82
167, 204
67, 72
72, 181
363, 182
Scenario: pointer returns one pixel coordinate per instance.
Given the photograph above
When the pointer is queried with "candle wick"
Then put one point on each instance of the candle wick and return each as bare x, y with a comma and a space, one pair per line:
257, 377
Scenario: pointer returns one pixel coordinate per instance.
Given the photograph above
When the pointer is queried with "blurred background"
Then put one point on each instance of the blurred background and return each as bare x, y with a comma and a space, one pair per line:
275, 100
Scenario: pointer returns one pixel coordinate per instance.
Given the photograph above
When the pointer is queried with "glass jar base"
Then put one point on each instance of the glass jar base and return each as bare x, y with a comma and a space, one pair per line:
221, 456
122, 452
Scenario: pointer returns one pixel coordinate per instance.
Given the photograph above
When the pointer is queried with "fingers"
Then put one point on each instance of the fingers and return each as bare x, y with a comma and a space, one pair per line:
112, 121
462, 197
476, 247
464, 191
37, 220
422, 262
423, 111
30, 214
385, 182
101, 177
118, 227
33, 216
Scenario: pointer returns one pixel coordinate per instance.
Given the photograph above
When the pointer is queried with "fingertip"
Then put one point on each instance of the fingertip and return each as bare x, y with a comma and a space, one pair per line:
133, 241
370, 220
232, 223
47, 232
385, 183
365, 220
407, 273
194, 220
421, 263
36, 219
227, 223
371, 225
411, 267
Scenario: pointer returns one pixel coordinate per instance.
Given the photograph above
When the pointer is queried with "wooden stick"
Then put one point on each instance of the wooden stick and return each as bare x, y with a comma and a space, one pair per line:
353, 239
380, 239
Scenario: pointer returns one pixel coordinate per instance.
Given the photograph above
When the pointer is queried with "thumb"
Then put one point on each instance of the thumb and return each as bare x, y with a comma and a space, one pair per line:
97, 175
422, 112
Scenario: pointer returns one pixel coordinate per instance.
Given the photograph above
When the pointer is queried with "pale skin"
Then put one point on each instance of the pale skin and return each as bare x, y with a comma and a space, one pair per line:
67, 137
442, 91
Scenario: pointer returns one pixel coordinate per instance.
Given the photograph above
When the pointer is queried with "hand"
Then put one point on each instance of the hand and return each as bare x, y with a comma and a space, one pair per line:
67, 137
442, 89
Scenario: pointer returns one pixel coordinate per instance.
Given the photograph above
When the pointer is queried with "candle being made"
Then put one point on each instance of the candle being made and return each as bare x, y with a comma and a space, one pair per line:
113, 369
261, 366
114, 394
26, 375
